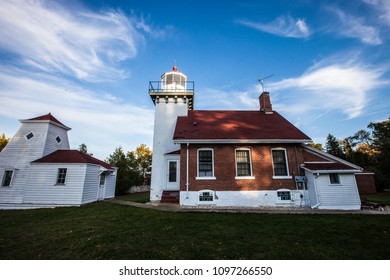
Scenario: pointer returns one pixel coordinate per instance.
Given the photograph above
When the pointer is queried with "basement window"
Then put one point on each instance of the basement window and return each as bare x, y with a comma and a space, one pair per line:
206, 196
284, 195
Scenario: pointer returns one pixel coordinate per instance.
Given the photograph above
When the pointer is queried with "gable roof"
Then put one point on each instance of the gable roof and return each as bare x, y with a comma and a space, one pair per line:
47, 118
72, 156
236, 126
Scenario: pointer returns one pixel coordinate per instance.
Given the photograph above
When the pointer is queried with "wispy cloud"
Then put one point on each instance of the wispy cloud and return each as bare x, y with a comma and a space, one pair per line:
51, 54
285, 26
342, 86
383, 8
354, 27
82, 44
97, 119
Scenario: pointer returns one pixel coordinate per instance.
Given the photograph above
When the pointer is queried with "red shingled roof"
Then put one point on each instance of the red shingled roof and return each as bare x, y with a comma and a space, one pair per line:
47, 117
71, 156
236, 125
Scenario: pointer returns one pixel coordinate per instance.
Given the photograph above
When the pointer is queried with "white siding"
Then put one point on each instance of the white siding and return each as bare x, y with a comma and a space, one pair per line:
343, 196
91, 185
324, 195
42, 188
51, 144
19, 152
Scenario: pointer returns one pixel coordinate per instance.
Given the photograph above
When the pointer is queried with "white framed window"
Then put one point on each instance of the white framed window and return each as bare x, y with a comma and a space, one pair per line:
206, 196
243, 163
29, 135
280, 163
61, 176
334, 179
284, 196
205, 164
7, 178
102, 180
58, 140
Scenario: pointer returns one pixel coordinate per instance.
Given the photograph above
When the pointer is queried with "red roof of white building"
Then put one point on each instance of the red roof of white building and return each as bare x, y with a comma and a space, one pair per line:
47, 118
236, 126
71, 156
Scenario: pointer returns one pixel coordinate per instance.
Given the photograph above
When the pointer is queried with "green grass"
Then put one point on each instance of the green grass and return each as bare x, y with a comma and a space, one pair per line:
107, 231
380, 198
141, 197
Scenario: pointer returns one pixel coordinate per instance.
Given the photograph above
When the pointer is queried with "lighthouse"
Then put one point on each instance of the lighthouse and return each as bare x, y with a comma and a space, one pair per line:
173, 96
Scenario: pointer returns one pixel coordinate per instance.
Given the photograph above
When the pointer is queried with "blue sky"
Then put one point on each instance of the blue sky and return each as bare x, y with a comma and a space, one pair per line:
89, 63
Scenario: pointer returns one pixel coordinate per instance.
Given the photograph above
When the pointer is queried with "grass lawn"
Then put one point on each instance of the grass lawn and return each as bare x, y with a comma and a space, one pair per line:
141, 197
380, 198
107, 231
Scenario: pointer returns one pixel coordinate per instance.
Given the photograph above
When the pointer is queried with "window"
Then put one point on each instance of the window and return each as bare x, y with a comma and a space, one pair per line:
284, 195
61, 176
205, 163
172, 171
30, 135
102, 179
58, 139
243, 163
7, 178
280, 162
334, 179
206, 196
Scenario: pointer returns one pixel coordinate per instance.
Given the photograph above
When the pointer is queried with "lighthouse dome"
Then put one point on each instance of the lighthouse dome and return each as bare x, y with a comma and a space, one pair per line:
173, 80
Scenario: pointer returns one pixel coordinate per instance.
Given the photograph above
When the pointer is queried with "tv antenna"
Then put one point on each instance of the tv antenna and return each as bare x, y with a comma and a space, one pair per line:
261, 81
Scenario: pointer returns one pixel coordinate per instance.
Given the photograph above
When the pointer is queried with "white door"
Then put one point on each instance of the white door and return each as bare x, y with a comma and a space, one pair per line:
102, 184
173, 175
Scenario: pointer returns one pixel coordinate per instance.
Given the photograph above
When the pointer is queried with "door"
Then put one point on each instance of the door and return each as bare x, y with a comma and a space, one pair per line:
102, 184
173, 175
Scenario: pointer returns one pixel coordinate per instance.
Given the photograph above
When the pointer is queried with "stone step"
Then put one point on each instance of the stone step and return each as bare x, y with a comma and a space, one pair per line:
170, 197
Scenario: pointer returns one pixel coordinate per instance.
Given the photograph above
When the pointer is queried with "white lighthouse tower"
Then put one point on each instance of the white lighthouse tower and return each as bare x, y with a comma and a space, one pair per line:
173, 96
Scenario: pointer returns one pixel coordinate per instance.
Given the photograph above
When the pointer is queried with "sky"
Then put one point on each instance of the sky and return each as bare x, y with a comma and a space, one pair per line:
89, 63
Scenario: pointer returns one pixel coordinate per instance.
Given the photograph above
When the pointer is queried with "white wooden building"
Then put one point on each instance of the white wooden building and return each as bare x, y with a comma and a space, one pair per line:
38, 169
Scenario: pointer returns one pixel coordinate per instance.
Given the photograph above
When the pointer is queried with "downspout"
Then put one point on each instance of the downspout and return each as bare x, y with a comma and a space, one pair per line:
316, 191
187, 170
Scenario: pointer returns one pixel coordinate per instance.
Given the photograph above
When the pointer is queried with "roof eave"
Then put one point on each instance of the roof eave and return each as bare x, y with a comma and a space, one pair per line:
46, 121
239, 141
345, 171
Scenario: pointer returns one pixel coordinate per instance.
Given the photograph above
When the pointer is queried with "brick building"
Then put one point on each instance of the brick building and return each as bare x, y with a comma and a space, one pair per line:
239, 158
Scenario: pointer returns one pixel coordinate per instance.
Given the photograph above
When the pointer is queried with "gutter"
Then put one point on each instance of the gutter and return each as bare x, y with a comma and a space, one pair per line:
244, 141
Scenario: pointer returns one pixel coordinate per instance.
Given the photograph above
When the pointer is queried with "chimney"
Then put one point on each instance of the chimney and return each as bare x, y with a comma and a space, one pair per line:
265, 103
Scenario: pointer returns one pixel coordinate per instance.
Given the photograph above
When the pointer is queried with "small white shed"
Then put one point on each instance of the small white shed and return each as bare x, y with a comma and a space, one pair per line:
37, 169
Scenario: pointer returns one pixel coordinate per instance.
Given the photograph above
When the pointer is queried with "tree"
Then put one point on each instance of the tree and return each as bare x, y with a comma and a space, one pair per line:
381, 145
332, 147
133, 167
3, 141
143, 158
84, 149
318, 146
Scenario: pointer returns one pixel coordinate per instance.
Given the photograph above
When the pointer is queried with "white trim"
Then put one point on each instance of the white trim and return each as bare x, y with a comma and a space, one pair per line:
250, 163
281, 177
245, 178
287, 167
206, 178
335, 184
212, 164
239, 141
345, 171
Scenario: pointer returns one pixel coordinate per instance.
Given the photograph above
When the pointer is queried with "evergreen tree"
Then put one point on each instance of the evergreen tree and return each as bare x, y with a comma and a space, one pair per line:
332, 146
